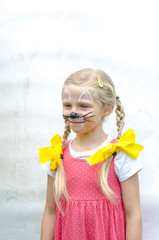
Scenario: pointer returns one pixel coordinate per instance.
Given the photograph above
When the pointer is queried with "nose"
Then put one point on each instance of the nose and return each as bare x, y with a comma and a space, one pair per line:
74, 115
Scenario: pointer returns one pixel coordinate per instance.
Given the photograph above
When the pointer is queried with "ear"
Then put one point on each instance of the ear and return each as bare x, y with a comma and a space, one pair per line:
108, 110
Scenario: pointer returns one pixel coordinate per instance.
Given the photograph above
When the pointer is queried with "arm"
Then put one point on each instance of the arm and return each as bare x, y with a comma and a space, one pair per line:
131, 200
48, 222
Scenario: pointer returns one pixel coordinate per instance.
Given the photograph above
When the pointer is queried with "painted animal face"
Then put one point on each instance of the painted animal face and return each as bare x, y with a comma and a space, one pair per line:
80, 108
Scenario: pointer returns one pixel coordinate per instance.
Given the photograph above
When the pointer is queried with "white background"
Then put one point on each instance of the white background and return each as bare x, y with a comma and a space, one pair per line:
41, 44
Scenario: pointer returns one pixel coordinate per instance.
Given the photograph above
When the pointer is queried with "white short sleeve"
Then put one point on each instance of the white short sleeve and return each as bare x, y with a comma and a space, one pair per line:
125, 166
46, 168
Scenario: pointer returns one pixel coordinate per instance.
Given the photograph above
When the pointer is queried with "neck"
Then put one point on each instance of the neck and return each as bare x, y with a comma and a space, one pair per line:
88, 141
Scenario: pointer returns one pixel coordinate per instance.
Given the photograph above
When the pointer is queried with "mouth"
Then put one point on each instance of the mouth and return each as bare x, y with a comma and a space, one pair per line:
76, 120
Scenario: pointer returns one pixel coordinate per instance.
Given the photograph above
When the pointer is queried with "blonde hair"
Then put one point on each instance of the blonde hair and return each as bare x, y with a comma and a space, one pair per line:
106, 96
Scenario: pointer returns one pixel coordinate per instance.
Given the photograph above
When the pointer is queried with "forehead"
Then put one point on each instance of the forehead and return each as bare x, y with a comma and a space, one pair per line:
78, 93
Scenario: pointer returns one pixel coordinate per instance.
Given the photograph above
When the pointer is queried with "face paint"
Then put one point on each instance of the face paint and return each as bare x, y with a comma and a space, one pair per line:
75, 99
86, 96
75, 117
83, 113
66, 95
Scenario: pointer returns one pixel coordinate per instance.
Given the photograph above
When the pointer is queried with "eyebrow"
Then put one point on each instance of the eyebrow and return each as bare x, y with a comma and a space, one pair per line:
83, 102
66, 101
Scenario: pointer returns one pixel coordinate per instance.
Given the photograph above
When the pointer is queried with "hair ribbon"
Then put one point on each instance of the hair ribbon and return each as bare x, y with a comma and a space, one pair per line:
52, 153
126, 143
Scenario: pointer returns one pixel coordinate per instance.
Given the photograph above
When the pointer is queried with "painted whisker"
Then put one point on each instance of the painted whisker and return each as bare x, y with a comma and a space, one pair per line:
86, 114
72, 117
86, 119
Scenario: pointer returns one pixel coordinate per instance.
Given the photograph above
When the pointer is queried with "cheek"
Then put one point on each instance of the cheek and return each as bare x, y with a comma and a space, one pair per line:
66, 112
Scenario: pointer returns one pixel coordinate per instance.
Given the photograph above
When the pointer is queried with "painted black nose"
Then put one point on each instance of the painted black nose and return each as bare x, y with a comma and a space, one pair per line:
74, 115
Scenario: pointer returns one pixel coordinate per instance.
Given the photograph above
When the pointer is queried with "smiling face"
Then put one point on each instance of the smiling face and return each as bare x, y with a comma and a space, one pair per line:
81, 109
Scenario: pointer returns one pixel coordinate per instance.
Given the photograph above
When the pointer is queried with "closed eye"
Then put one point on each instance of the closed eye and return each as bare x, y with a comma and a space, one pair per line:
67, 105
84, 106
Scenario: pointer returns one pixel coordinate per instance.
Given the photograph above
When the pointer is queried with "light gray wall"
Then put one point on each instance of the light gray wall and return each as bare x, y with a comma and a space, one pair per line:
41, 43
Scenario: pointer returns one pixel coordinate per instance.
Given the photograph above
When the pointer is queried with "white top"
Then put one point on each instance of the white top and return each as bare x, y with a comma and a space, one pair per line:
125, 166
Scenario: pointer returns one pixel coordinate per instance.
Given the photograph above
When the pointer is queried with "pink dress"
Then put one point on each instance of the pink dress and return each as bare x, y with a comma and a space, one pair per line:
90, 216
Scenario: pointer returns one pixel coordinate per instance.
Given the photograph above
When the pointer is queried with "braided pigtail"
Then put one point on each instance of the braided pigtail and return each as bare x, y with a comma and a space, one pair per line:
66, 133
60, 181
120, 117
104, 170
103, 179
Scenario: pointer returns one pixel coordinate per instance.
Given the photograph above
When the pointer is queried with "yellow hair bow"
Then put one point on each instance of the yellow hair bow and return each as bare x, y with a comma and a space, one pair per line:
52, 153
126, 143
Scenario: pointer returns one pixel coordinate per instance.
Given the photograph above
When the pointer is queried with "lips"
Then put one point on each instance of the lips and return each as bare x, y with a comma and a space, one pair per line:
76, 120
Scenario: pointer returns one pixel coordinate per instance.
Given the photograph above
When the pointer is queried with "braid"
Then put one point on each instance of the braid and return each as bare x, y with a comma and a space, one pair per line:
120, 117
60, 179
66, 133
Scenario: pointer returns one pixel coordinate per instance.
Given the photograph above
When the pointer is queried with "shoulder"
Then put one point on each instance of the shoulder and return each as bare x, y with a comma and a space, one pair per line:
125, 166
46, 168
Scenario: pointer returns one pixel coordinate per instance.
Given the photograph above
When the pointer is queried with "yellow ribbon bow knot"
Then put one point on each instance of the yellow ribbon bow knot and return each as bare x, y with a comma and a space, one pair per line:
52, 153
126, 143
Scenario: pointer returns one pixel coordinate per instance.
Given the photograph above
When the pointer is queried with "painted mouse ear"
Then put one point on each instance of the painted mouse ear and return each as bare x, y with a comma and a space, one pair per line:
66, 95
85, 96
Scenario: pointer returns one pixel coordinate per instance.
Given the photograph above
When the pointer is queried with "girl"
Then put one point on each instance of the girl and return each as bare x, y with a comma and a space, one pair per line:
92, 189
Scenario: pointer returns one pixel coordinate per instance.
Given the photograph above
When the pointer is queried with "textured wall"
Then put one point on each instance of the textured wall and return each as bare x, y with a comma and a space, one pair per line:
41, 43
